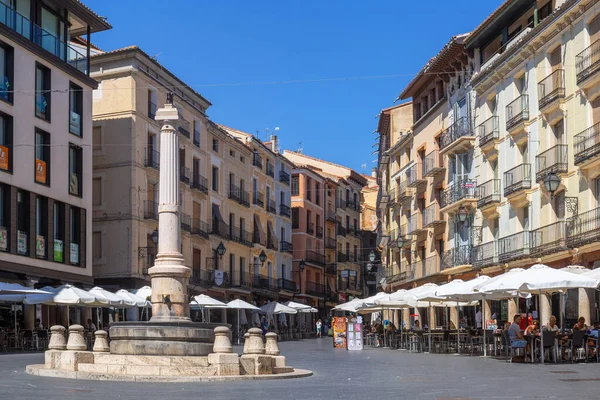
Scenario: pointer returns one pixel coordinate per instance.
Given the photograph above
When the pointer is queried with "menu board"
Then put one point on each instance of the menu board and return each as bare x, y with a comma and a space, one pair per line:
355, 339
339, 332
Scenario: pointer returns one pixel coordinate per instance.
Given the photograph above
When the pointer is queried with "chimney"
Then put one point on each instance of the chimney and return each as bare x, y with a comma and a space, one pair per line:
374, 173
274, 144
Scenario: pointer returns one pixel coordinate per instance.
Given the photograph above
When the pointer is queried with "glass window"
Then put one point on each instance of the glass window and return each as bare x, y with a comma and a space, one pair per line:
6, 141
6, 73
97, 192
23, 222
215, 145
215, 179
75, 170
197, 130
295, 186
295, 217
75, 109
59, 231
41, 226
42, 157
42, 92
74, 235
4, 216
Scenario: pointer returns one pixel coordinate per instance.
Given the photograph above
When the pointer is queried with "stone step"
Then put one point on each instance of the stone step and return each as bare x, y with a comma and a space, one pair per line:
169, 361
148, 370
282, 370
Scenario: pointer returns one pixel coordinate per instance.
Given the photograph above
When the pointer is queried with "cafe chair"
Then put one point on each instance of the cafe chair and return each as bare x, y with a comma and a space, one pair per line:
578, 346
512, 347
550, 344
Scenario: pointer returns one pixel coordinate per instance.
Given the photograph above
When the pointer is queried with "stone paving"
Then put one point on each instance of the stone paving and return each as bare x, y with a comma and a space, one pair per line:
338, 374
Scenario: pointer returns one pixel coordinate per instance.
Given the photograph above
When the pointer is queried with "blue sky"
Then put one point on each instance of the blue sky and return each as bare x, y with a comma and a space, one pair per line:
219, 46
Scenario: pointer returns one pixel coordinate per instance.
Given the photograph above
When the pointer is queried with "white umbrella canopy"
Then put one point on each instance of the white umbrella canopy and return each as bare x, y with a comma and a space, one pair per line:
144, 292
15, 288
542, 279
128, 296
593, 273
298, 306
575, 269
239, 304
111, 298
395, 299
277, 308
66, 295
496, 284
350, 306
203, 300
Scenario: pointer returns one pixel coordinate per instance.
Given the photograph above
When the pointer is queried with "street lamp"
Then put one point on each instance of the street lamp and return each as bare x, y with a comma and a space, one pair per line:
262, 257
551, 183
154, 237
369, 267
401, 241
462, 214
221, 250
302, 266
372, 256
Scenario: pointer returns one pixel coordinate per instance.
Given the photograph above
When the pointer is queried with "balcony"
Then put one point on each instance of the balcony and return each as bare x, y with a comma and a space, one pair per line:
270, 170
404, 192
517, 180
271, 206
315, 258
271, 242
284, 177
489, 134
258, 199
433, 164
286, 284
43, 38
185, 222
458, 258
150, 210
461, 193
238, 195
551, 91
457, 137
331, 268
513, 247
414, 176
427, 267
587, 148
319, 231
257, 160
583, 228
554, 160
331, 216
488, 196
485, 255
517, 113
548, 239
220, 229
330, 243
587, 64
184, 127
152, 156
264, 282
310, 228
342, 258
151, 109
237, 234
314, 289
200, 227
405, 235
352, 205
199, 183
285, 247
432, 216
285, 211
415, 224
341, 231
184, 174
257, 238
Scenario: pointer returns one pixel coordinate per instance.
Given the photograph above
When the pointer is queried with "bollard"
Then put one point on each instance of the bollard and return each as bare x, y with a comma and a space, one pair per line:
101, 344
254, 342
222, 343
57, 338
76, 340
271, 348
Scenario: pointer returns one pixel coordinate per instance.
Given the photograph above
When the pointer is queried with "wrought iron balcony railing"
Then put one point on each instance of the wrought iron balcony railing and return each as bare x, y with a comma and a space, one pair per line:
432, 216
462, 127
433, 164
286, 284
517, 111
271, 206
150, 209
315, 289
285, 210
587, 144
551, 88
310, 228
330, 243
285, 246
341, 231
517, 178
257, 160
513, 247
185, 222
258, 199
548, 239
184, 128
488, 192
341, 257
315, 258
237, 234
464, 189
284, 177
199, 182
200, 227
331, 216
319, 231
554, 160
270, 170
459, 255
220, 228
414, 175
587, 63
152, 159
331, 268
184, 174
583, 228
488, 130
485, 255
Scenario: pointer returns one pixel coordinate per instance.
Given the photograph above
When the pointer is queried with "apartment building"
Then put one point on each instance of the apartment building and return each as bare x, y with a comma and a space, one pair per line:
271, 255
46, 142
369, 223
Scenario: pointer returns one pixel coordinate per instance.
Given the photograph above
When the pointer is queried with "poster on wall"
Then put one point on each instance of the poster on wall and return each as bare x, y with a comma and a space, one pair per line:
4, 157
40, 246
40, 171
74, 253
3, 239
58, 250
339, 332
21, 242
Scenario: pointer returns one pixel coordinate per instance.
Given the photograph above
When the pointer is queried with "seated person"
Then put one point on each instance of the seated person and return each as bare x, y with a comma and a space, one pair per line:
580, 325
514, 332
533, 329
417, 327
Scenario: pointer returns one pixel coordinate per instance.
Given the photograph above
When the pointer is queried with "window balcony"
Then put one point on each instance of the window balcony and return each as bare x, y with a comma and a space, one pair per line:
271, 243
184, 127
185, 222
315, 289
258, 199
331, 216
220, 229
548, 239
352, 205
315, 258
237, 234
257, 238
319, 231
587, 148
270, 170
513, 247
517, 113
457, 137
415, 224
404, 192
554, 160
583, 228
432, 216
485, 255
488, 195
284, 177
286, 284
199, 183
200, 227
341, 231
551, 91
310, 228
285, 211
331, 268
433, 164
184, 174
271, 206
330, 243
152, 158
460, 257
427, 267
239, 196
489, 133
264, 282
151, 109
587, 65
517, 180
285, 247
461, 193
405, 234
342, 258
150, 210
257, 160
414, 176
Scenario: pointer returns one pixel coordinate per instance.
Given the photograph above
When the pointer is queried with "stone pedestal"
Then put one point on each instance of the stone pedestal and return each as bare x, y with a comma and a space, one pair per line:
227, 364
254, 343
271, 347
222, 343
101, 344
76, 340
57, 338
256, 364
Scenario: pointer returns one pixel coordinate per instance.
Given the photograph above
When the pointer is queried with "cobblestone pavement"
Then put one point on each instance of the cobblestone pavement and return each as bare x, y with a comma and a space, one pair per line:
338, 374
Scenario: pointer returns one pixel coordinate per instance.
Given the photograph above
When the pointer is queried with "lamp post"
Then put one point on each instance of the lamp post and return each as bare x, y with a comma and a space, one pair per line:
154, 237
221, 250
302, 266
551, 183
462, 214
262, 257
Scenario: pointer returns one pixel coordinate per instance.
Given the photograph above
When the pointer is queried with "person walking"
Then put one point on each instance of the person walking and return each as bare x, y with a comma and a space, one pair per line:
319, 326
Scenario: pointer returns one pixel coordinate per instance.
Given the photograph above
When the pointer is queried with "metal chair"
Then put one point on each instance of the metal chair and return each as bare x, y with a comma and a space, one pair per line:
579, 346
511, 346
549, 338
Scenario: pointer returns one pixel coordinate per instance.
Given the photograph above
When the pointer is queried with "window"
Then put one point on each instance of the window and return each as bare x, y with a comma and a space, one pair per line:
231, 153
59, 231
307, 189
295, 217
42, 157
197, 130
22, 222
97, 138
97, 245
196, 263
75, 109
559, 205
75, 170
4, 216
295, 186
242, 159
97, 192
42, 92
6, 73
75, 235
215, 146
526, 218
317, 194
6, 141
151, 103
41, 226
215, 179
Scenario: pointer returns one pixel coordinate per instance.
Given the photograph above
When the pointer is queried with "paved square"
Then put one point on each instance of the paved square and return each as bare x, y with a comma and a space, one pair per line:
338, 374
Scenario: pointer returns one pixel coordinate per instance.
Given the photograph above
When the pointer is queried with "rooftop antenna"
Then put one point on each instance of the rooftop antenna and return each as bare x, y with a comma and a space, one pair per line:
300, 147
155, 57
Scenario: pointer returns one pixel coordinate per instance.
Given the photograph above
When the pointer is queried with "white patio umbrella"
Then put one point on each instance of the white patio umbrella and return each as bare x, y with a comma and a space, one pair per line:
203, 301
277, 308
137, 300
298, 306
15, 288
238, 305
110, 298
144, 292
593, 273
349, 306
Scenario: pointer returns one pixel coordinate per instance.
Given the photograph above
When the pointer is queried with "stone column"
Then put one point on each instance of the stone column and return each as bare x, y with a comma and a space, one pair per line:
453, 318
406, 318
512, 309
545, 308
586, 305
487, 307
169, 276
